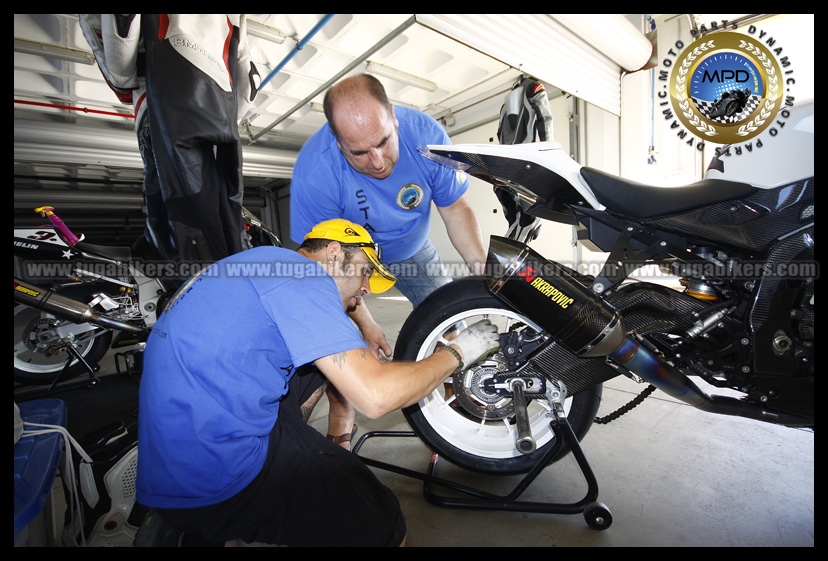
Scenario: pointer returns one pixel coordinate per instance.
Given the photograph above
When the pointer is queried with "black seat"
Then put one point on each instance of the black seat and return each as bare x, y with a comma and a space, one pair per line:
648, 201
119, 253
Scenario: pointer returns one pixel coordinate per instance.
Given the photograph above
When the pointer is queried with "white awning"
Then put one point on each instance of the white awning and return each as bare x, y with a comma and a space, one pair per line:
583, 55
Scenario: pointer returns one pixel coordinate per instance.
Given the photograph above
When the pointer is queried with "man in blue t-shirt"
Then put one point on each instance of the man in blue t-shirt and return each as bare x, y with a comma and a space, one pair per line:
224, 452
364, 166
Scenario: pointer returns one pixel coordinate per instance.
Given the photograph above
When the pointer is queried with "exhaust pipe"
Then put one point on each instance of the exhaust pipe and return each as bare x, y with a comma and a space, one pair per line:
638, 359
551, 295
588, 326
66, 308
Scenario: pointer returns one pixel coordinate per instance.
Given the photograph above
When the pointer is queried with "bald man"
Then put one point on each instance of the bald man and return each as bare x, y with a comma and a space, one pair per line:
364, 167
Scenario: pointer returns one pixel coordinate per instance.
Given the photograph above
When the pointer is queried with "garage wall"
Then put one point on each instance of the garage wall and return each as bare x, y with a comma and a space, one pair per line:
643, 123
617, 145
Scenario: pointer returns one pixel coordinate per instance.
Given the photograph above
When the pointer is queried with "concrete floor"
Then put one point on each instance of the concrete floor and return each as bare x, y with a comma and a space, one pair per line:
670, 474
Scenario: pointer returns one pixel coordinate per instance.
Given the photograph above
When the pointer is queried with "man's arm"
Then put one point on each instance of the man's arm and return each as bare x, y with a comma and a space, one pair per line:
377, 388
371, 331
464, 232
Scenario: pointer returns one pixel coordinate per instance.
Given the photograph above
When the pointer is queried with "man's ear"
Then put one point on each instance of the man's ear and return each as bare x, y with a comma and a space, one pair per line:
332, 252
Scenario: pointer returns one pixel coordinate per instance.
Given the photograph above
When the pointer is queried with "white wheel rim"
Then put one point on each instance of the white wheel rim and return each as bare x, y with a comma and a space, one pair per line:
489, 439
31, 361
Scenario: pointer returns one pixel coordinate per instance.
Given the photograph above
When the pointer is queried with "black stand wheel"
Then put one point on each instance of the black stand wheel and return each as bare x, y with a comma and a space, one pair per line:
597, 516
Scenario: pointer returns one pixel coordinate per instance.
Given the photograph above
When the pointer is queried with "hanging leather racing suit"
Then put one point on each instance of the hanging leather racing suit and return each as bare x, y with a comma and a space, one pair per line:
118, 60
198, 80
524, 117
192, 78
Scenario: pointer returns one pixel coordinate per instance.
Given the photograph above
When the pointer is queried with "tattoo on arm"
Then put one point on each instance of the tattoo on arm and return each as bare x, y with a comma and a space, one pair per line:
307, 408
338, 359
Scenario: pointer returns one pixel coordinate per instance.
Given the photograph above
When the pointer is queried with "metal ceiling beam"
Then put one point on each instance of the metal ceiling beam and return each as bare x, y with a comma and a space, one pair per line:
384, 41
298, 47
53, 51
95, 199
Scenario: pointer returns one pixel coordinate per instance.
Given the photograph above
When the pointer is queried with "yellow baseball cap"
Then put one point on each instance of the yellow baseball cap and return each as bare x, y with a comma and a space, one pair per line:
348, 233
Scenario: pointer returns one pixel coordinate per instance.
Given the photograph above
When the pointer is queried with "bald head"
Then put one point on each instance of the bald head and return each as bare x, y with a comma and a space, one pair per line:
351, 94
364, 125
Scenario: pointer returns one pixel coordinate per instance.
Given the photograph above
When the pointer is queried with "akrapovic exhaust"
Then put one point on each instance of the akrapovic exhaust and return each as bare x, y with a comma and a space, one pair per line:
550, 295
66, 308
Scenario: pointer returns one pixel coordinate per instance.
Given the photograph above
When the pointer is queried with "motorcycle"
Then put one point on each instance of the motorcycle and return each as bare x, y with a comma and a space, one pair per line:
741, 241
93, 292
730, 103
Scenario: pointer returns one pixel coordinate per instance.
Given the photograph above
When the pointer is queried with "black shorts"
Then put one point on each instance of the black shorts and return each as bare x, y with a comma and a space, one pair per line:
310, 492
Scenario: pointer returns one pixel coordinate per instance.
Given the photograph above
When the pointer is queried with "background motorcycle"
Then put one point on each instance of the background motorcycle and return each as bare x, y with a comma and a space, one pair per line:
93, 291
741, 323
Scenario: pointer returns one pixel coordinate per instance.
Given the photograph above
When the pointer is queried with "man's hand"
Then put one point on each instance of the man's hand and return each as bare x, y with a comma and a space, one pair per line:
377, 343
476, 340
371, 332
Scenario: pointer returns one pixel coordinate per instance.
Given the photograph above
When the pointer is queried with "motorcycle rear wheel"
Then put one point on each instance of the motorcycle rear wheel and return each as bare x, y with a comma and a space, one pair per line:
36, 363
442, 421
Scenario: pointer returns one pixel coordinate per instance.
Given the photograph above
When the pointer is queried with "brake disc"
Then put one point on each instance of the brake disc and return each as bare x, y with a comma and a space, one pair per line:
40, 336
472, 393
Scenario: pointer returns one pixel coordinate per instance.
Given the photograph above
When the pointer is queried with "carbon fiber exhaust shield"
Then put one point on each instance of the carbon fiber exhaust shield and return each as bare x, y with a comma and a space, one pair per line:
551, 295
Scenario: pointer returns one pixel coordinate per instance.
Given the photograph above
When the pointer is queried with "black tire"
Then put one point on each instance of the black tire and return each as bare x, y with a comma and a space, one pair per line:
459, 297
32, 368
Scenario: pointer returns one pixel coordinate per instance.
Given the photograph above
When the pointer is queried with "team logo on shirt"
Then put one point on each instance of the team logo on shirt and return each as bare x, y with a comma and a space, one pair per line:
409, 196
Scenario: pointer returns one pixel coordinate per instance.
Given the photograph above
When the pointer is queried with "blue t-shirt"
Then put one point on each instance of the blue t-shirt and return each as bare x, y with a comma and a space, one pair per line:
218, 362
395, 210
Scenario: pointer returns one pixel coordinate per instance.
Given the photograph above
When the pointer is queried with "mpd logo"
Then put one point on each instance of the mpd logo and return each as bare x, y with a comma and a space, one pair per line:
726, 88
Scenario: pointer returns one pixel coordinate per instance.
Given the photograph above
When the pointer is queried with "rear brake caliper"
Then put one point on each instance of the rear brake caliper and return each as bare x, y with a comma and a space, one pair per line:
518, 346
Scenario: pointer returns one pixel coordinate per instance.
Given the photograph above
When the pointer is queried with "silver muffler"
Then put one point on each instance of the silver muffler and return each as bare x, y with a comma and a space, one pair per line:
66, 308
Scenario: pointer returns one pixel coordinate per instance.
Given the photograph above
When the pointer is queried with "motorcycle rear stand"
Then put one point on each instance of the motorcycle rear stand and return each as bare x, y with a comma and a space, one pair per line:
91, 370
74, 354
596, 514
